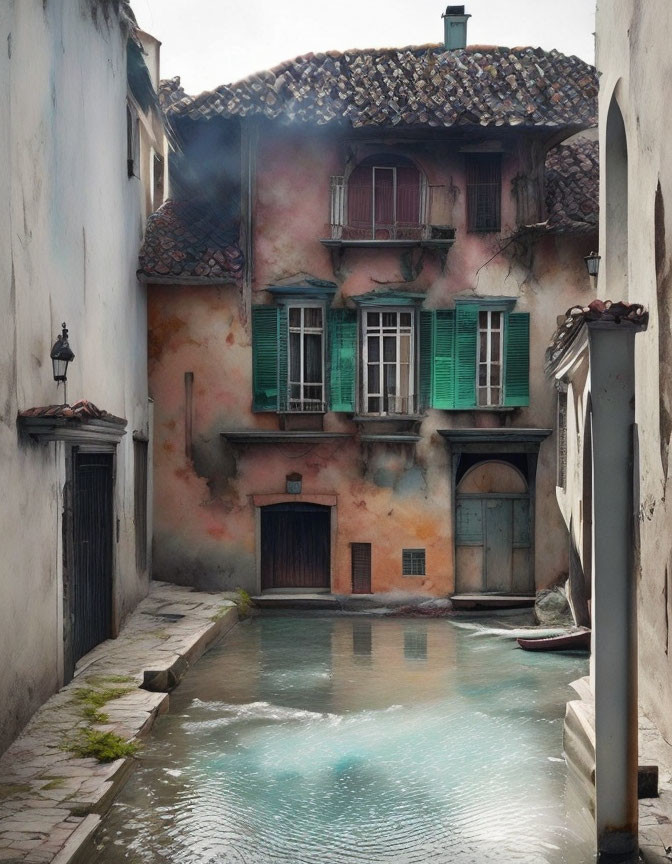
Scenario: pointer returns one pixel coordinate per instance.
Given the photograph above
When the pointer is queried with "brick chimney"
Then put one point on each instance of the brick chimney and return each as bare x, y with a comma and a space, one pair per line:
455, 27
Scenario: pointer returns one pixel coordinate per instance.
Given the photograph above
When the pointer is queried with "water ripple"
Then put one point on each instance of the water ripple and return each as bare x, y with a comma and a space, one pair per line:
281, 748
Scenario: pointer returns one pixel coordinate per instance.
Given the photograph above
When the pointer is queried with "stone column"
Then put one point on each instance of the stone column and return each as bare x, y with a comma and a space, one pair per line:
614, 649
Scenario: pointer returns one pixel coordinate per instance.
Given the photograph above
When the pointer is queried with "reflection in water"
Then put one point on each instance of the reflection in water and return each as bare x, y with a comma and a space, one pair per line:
301, 740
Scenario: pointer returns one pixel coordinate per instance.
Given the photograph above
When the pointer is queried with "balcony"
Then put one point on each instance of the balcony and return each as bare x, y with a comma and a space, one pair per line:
368, 216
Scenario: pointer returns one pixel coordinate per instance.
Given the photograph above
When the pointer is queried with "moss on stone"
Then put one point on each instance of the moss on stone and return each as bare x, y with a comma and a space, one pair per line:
9, 790
103, 746
94, 698
102, 680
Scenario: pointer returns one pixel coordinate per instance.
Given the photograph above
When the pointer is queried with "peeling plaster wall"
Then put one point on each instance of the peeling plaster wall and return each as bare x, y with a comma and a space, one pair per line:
70, 230
394, 496
634, 62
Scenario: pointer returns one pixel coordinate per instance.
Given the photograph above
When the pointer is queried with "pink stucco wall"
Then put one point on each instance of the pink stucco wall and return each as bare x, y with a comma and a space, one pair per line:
394, 496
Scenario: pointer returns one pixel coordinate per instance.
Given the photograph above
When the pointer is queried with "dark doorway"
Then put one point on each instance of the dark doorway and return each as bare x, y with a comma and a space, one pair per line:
91, 580
295, 546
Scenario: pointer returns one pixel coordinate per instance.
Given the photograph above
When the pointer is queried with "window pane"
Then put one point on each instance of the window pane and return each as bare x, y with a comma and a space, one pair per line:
495, 374
405, 348
313, 392
483, 397
496, 347
374, 379
494, 396
294, 317
404, 385
482, 320
295, 391
482, 374
405, 319
390, 319
483, 345
389, 348
390, 379
313, 358
496, 316
373, 319
374, 406
373, 348
312, 317
294, 356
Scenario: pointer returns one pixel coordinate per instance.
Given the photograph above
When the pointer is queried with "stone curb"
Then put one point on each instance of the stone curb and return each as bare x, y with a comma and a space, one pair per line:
51, 802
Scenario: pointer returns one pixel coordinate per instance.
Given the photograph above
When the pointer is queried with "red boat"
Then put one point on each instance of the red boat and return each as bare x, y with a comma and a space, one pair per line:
579, 640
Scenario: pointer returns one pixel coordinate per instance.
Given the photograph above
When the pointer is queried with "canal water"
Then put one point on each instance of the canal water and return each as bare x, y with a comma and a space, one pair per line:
306, 739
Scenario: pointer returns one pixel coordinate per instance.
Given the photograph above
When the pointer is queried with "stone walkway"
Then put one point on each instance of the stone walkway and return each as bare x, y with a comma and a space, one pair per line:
655, 814
50, 800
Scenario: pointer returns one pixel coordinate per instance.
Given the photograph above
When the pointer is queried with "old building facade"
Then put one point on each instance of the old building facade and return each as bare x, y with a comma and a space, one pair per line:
348, 319
81, 169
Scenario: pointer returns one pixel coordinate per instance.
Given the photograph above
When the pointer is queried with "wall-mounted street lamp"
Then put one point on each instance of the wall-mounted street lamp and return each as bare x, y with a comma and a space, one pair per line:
61, 355
593, 264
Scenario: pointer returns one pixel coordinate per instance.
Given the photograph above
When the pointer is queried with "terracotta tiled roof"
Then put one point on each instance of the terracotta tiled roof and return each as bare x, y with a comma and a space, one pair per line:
573, 187
604, 311
189, 241
82, 410
414, 86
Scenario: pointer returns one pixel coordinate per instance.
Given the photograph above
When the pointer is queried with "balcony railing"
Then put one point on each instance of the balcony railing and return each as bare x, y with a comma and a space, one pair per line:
341, 230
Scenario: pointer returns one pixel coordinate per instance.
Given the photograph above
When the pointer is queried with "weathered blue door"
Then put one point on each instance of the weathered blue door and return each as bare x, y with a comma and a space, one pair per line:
498, 544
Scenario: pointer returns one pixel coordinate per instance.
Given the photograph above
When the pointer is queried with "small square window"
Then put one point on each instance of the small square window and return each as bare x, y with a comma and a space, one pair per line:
413, 562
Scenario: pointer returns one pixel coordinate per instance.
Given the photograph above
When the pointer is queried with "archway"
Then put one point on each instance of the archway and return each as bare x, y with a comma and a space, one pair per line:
616, 201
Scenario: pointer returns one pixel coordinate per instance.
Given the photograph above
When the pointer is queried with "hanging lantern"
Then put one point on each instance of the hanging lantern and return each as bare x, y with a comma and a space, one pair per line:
593, 263
61, 355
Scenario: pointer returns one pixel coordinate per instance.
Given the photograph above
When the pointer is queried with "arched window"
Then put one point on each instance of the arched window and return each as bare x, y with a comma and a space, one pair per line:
385, 200
616, 199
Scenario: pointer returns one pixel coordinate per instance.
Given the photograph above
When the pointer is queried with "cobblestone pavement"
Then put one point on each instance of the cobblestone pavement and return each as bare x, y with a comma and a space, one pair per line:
52, 801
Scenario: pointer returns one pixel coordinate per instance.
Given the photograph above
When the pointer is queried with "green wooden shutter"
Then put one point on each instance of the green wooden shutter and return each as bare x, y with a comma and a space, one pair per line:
466, 341
426, 333
443, 383
342, 359
283, 369
265, 358
517, 360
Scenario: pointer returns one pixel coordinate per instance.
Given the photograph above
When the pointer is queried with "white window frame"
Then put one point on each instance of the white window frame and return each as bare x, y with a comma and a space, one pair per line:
304, 404
366, 394
488, 361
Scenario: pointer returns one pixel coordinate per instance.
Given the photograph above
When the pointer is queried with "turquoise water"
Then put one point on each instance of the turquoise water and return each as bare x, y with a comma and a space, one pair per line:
304, 739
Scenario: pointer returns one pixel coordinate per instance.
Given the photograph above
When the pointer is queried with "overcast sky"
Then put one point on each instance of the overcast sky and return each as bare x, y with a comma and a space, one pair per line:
211, 42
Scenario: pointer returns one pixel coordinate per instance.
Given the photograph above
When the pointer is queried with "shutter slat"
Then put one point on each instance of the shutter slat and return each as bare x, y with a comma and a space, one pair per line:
466, 339
283, 353
517, 360
443, 379
343, 359
265, 358
425, 377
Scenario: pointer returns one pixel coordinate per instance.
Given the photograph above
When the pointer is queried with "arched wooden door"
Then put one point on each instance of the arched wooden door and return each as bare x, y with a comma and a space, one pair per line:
493, 531
295, 546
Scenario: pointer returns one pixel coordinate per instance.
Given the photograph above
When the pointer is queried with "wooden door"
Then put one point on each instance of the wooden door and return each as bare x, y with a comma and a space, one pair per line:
295, 546
498, 545
361, 568
90, 586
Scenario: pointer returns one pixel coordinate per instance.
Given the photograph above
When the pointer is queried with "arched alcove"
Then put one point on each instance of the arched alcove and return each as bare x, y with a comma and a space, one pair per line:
493, 476
616, 201
493, 530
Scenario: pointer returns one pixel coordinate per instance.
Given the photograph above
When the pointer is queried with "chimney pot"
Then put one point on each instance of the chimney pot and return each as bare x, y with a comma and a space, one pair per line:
455, 27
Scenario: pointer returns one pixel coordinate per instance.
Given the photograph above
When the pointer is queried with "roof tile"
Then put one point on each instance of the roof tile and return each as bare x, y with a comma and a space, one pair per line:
186, 239
416, 85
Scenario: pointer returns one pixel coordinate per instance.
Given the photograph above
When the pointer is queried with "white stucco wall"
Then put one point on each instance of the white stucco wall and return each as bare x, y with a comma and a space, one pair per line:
635, 63
71, 223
